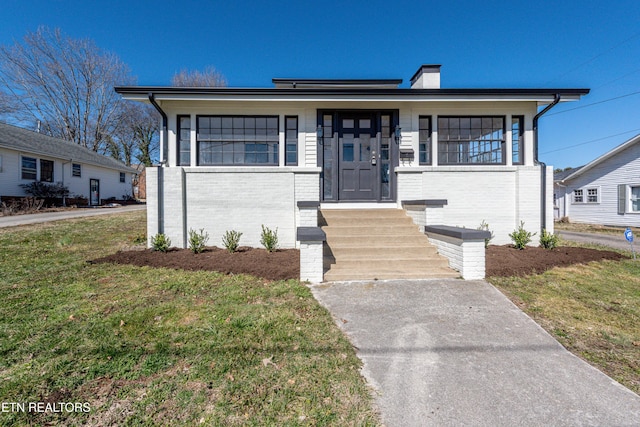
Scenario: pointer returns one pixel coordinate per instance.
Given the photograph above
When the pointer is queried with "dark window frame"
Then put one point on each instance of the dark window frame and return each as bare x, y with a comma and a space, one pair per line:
474, 145
123, 177
425, 139
76, 170
26, 172
291, 142
46, 170
517, 143
180, 148
240, 146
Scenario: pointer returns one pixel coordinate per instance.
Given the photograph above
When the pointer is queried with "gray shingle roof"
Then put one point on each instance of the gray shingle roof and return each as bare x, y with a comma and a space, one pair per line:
17, 138
559, 176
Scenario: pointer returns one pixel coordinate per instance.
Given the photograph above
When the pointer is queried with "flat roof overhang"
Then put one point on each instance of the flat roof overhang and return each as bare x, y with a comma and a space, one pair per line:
164, 93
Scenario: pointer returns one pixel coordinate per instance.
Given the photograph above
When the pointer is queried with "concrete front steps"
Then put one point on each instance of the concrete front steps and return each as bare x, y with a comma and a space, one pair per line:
370, 244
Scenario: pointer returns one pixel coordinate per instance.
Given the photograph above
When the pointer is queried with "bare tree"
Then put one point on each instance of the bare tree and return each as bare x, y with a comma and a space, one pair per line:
65, 84
136, 137
209, 77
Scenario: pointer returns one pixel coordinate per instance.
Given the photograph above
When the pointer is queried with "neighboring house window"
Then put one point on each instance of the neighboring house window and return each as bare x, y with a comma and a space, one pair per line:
424, 147
517, 139
237, 140
46, 170
291, 141
76, 170
184, 140
635, 199
590, 197
122, 177
0, 163
578, 196
29, 168
470, 140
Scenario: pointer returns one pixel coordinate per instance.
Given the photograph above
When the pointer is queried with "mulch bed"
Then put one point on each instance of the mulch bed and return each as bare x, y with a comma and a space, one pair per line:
279, 265
285, 263
508, 261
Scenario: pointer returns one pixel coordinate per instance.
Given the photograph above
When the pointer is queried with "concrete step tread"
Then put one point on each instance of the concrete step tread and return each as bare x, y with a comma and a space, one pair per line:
347, 276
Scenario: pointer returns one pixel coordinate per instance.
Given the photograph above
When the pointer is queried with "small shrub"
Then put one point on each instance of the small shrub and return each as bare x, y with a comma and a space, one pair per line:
521, 237
549, 240
160, 243
485, 227
197, 241
564, 220
231, 240
269, 239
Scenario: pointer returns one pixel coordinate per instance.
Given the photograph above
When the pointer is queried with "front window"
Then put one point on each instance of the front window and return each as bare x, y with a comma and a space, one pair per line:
76, 170
184, 140
517, 138
29, 165
237, 140
592, 195
291, 141
122, 177
425, 140
578, 196
470, 140
46, 170
635, 199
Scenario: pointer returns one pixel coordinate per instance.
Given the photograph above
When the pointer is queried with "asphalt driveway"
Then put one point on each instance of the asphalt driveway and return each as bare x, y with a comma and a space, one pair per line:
454, 352
616, 241
12, 221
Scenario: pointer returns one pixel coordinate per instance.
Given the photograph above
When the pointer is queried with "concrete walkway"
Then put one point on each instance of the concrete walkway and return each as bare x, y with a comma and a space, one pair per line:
12, 221
616, 241
452, 352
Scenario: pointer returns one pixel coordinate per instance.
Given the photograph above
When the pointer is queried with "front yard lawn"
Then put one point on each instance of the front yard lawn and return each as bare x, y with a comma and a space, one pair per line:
592, 309
156, 346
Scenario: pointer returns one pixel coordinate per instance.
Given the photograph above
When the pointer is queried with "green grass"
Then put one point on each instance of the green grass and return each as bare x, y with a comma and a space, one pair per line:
150, 346
593, 310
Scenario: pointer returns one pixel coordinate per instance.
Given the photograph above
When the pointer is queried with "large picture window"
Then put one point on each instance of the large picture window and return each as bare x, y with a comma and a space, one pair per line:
470, 140
237, 140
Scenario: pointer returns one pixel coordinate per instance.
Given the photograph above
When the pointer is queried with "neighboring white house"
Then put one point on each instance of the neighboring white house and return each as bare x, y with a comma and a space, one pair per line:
605, 191
27, 156
237, 158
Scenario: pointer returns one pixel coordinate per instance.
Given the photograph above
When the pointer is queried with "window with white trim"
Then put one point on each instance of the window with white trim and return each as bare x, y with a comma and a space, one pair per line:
578, 196
587, 195
29, 168
635, 198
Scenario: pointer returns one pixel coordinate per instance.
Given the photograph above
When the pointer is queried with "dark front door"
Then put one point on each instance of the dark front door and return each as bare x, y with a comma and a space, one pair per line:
357, 157
94, 192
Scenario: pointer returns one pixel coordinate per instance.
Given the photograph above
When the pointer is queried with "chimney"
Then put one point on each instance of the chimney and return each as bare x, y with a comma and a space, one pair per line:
427, 77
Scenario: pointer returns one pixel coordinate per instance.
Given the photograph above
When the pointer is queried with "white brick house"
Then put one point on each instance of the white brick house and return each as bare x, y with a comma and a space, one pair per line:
237, 158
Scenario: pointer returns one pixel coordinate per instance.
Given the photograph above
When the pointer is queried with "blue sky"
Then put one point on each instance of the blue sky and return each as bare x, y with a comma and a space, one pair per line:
518, 44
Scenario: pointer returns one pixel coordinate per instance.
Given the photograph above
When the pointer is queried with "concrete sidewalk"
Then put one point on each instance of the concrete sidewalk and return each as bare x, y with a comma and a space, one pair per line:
453, 352
12, 221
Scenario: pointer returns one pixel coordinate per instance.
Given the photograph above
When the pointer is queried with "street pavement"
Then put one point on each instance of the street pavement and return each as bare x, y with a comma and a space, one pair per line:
616, 241
15, 220
452, 353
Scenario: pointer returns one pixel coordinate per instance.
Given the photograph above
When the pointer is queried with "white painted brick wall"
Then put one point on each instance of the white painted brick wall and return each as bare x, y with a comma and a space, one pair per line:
227, 198
467, 257
499, 195
311, 262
